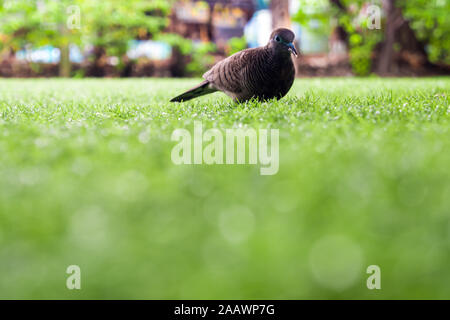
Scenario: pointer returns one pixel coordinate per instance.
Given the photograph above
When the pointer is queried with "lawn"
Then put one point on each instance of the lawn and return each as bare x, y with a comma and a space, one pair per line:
86, 179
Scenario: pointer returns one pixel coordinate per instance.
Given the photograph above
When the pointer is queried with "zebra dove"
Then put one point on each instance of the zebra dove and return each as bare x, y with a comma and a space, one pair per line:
261, 73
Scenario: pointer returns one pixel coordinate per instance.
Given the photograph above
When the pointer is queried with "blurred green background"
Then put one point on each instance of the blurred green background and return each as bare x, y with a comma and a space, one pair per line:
87, 179
169, 38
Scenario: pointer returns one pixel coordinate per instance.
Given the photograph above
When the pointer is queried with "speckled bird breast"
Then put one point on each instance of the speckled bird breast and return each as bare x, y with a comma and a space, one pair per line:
274, 82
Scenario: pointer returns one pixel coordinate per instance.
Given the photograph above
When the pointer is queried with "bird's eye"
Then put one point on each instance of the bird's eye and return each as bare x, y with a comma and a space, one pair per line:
277, 39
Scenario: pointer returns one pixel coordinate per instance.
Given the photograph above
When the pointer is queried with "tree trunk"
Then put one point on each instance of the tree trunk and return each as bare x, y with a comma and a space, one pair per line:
280, 13
64, 62
394, 20
64, 58
97, 69
398, 32
340, 33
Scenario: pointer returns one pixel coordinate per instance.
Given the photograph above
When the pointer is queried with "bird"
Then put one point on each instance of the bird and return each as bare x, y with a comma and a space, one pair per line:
259, 73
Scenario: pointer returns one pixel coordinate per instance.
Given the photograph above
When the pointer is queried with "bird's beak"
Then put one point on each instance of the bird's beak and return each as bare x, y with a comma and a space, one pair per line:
292, 49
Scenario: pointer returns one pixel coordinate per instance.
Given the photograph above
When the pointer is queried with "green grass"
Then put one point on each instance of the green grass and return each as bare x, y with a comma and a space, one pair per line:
86, 178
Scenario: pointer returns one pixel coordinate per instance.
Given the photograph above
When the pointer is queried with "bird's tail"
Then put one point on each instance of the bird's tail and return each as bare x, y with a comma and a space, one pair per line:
199, 90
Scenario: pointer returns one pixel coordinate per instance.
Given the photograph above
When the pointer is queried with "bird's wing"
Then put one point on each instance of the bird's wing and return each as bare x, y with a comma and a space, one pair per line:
227, 75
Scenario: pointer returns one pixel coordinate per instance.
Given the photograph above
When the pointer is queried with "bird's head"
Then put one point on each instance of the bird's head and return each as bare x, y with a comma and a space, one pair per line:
281, 40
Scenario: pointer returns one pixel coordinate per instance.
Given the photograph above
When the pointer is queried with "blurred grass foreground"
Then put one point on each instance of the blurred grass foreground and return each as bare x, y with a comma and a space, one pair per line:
87, 180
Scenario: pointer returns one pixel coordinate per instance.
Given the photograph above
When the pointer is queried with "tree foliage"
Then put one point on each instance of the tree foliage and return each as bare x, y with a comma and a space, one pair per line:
111, 24
200, 54
429, 20
35, 22
107, 24
350, 17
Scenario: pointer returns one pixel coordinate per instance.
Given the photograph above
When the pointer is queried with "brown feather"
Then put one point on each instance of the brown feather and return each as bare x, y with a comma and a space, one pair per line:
262, 73
199, 90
